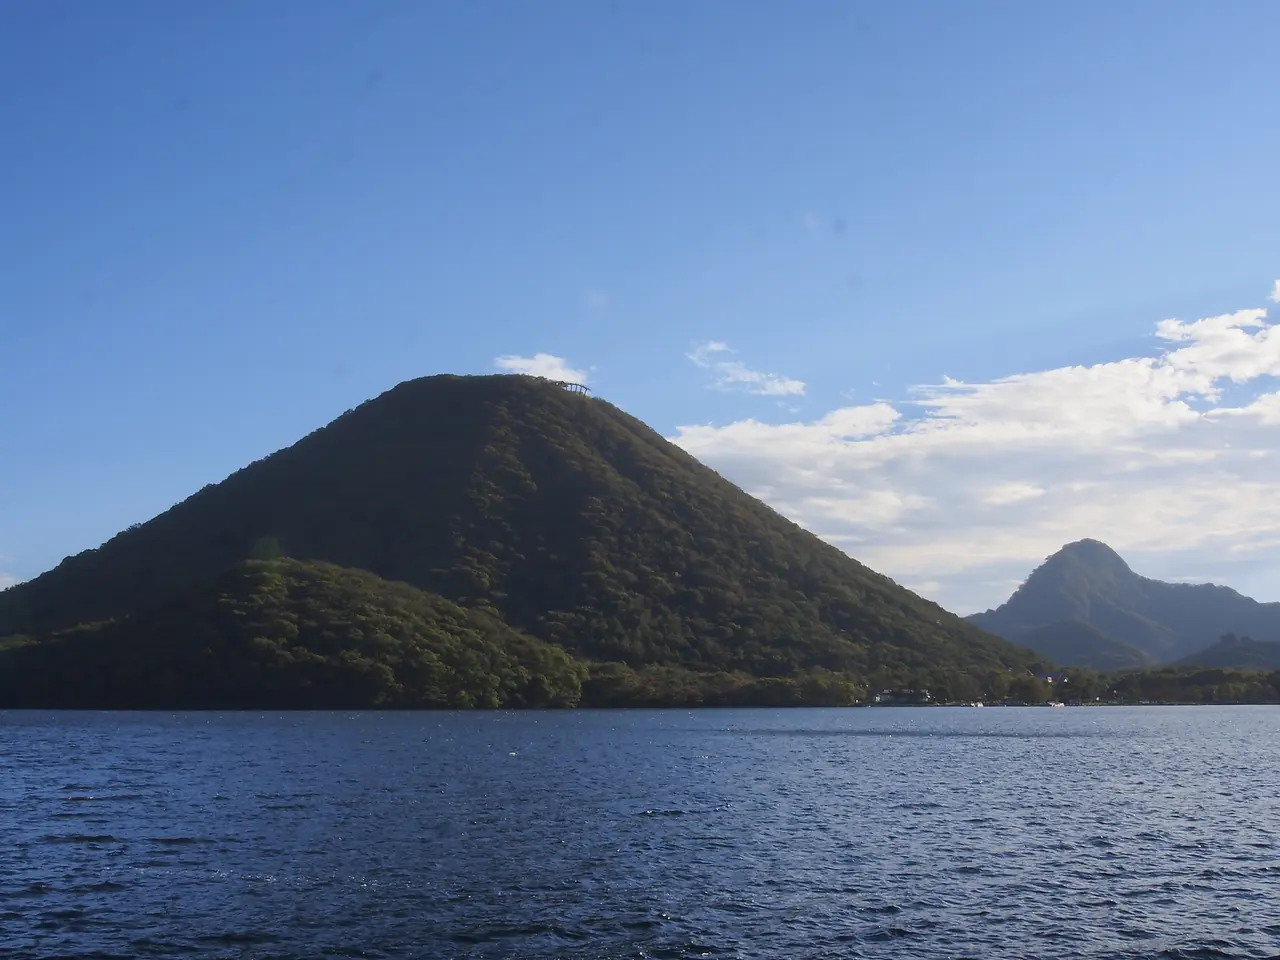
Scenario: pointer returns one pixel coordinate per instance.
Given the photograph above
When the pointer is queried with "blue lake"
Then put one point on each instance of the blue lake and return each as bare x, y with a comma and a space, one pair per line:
1089, 832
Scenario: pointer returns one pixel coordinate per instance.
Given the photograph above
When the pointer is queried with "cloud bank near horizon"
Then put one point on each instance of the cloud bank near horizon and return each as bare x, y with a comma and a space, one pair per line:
961, 489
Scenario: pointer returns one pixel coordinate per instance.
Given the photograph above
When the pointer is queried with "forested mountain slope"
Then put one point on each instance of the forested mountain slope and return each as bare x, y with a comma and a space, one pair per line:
573, 522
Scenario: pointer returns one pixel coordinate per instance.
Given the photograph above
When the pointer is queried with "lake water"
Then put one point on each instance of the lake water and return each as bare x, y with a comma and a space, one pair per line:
1093, 832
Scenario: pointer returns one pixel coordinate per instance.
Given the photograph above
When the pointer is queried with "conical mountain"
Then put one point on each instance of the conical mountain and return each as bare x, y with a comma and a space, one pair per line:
1085, 581
576, 523
1088, 584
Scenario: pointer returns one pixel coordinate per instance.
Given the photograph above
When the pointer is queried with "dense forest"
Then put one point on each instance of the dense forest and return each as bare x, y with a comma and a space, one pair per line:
288, 634
543, 531
1197, 685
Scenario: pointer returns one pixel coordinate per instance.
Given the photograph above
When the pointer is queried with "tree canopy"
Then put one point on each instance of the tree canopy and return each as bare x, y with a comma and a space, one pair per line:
288, 634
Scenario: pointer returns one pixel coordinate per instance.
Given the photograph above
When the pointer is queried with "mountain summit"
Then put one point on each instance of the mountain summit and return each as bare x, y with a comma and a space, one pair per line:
1094, 556
571, 522
1085, 606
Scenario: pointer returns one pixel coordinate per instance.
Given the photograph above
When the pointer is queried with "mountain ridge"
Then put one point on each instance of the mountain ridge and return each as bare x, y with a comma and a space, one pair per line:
1075, 643
1087, 582
1235, 652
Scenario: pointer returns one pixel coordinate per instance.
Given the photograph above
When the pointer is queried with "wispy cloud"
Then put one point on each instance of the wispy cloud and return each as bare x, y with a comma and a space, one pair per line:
7, 580
1015, 492
734, 375
542, 365
1275, 293
965, 486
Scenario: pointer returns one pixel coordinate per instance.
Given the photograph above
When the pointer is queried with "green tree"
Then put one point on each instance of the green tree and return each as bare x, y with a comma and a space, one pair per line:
1029, 689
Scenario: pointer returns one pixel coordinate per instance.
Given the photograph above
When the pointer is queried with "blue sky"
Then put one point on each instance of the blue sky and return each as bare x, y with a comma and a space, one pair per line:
222, 225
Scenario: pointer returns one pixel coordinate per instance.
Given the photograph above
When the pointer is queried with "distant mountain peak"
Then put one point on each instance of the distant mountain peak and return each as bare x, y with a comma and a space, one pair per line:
1076, 573
1094, 554
1087, 582
1089, 546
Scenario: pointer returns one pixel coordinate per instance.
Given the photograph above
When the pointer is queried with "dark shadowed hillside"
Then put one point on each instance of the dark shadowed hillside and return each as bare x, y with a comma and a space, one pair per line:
1240, 653
574, 522
1074, 644
304, 634
1089, 583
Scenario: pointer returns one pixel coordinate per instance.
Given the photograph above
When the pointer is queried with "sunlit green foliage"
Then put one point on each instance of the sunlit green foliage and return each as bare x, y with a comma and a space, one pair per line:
289, 634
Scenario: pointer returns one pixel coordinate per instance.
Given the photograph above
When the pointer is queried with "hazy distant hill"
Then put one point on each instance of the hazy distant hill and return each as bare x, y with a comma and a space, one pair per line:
1243, 653
1073, 643
574, 523
1089, 583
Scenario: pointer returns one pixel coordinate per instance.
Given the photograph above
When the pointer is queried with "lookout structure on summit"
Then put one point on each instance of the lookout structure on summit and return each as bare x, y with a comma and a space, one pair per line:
579, 388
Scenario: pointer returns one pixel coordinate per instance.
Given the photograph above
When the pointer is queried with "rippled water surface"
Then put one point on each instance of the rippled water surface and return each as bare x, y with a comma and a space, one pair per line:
1096, 832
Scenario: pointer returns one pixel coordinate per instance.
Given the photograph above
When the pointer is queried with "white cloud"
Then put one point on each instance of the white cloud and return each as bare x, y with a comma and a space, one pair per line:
966, 486
1275, 293
7, 580
1004, 493
542, 365
1267, 409
734, 375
